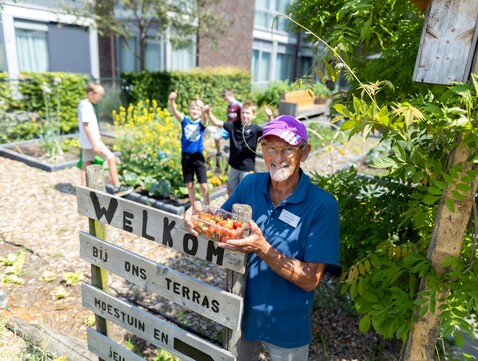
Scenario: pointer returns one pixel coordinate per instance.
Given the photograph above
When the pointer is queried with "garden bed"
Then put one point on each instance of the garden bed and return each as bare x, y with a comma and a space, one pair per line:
171, 205
33, 154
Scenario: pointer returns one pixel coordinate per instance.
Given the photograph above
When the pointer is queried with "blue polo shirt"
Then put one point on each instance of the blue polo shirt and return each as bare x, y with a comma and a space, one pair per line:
305, 227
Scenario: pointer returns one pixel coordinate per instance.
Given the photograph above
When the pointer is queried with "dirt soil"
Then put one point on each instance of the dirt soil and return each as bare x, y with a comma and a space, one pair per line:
38, 217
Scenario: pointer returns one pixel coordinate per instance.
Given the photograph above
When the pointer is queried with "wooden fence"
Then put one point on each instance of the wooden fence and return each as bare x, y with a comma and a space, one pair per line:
222, 306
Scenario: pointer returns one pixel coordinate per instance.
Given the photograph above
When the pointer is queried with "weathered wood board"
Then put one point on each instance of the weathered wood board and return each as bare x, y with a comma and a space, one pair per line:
152, 329
107, 349
155, 225
209, 301
448, 43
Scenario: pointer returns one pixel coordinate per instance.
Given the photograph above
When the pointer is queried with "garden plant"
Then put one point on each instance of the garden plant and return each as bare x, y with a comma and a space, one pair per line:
418, 275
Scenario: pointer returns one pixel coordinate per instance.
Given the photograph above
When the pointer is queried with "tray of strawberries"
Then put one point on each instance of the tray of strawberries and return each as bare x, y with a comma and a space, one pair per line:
219, 225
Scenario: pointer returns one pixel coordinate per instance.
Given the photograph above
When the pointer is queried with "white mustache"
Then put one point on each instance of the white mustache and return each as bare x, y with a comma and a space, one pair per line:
280, 165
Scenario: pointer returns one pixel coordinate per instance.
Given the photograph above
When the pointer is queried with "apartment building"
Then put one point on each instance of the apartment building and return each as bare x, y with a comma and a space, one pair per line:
36, 36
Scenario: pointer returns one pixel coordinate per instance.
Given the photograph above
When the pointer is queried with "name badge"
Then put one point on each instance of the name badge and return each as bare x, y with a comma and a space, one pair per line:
290, 218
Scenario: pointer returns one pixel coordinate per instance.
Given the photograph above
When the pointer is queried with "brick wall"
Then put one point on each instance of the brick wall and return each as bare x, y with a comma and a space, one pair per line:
234, 47
106, 57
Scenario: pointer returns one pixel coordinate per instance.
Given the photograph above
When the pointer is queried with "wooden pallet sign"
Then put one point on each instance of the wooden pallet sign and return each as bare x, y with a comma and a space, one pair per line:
107, 349
209, 301
155, 225
152, 329
224, 307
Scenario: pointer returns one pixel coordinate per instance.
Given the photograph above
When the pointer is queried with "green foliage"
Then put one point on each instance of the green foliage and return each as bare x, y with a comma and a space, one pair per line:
164, 355
148, 138
23, 110
72, 91
14, 263
203, 83
424, 125
369, 208
377, 40
270, 95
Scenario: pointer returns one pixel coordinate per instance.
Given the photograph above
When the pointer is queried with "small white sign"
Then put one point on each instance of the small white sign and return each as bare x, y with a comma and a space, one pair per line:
290, 218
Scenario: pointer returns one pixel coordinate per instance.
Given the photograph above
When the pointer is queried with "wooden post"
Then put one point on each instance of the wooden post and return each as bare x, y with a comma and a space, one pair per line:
236, 283
95, 179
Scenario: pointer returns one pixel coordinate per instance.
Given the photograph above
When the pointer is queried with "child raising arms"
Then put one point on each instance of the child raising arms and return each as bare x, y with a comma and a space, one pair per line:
192, 146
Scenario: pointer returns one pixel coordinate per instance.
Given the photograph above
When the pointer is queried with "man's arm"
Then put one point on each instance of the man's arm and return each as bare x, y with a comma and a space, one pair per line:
305, 275
174, 109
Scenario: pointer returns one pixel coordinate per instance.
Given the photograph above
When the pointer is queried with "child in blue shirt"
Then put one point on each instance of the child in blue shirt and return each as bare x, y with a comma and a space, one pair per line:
192, 146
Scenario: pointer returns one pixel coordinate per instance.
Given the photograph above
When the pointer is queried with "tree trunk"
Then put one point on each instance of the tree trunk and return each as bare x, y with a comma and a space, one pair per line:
447, 240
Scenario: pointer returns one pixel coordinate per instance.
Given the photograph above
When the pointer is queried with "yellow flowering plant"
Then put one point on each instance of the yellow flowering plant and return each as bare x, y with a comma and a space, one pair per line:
148, 138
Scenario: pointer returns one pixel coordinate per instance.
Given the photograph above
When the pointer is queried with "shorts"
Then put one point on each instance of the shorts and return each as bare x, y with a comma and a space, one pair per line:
235, 177
88, 154
193, 163
250, 350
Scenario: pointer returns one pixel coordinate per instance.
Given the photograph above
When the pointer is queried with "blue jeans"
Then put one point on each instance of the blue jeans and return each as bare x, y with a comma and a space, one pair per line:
249, 351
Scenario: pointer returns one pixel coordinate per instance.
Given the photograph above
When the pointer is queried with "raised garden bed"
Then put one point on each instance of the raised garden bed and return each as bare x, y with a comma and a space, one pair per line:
172, 205
32, 153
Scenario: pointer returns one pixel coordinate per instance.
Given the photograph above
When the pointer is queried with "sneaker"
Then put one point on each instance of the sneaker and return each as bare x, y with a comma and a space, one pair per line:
122, 191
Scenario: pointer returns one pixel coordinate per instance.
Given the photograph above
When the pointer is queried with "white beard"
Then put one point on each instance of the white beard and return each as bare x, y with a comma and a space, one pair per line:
280, 173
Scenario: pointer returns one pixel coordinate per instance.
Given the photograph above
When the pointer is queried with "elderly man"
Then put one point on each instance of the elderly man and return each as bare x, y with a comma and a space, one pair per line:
294, 235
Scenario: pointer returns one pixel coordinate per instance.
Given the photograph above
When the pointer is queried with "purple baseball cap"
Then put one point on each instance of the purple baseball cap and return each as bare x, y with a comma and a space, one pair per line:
288, 128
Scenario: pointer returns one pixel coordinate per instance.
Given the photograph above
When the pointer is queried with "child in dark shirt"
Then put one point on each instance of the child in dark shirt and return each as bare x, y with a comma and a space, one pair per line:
243, 137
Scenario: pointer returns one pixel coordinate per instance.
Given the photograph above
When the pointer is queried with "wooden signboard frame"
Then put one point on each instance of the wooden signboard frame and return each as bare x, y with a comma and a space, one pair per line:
222, 306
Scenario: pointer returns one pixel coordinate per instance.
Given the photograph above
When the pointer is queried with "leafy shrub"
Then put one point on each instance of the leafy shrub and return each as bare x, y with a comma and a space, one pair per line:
22, 107
321, 90
369, 210
270, 96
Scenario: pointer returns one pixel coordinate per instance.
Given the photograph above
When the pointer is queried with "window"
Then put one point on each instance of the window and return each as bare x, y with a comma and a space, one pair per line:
183, 58
32, 47
261, 65
127, 55
153, 55
267, 10
305, 64
284, 67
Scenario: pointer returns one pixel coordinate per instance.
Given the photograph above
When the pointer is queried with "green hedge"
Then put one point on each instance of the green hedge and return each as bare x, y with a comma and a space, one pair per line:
22, 111
71, 90
205, 83
22, 104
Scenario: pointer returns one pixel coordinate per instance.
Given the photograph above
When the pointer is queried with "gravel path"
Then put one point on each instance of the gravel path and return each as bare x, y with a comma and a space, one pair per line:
38, 212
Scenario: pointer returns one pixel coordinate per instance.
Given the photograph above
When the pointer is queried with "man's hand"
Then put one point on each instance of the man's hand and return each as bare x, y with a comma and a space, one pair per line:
188, 224
252, 243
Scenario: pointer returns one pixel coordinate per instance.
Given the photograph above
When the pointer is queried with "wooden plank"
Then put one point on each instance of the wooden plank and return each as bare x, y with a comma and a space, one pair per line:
236, 283
448, 42
160, 333
155, 225
209, 301
107, 349
95, 178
